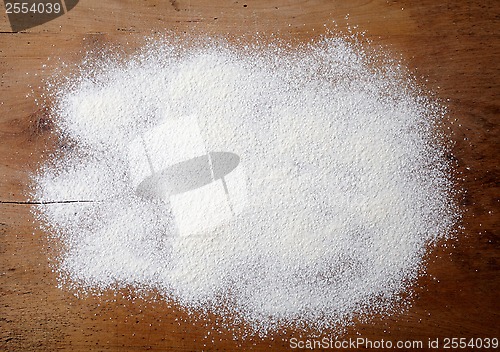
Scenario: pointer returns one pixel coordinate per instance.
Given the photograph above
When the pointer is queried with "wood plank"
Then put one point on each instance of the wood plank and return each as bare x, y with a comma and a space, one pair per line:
451, 46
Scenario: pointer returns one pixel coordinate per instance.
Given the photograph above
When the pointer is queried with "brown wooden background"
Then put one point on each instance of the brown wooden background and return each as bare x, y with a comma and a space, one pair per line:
453, 48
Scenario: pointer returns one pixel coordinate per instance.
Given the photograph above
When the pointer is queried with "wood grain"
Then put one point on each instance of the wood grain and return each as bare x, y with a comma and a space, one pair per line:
452, 47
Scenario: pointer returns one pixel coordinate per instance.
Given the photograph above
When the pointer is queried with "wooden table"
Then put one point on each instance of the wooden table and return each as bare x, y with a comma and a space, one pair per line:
452, 47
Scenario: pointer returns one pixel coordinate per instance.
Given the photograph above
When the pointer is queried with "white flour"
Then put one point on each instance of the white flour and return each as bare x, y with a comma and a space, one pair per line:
347, 183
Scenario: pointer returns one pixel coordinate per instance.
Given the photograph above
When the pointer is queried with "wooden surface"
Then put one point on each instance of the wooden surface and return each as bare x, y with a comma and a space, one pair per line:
452, 47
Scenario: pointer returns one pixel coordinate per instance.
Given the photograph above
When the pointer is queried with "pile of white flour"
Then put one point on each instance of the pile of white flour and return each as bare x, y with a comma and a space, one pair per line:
347, 180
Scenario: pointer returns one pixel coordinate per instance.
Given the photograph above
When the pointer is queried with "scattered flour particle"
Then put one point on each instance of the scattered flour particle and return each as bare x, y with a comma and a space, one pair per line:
346, 178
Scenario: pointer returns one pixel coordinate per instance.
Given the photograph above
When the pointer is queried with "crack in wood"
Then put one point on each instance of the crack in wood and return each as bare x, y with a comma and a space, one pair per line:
49, 202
